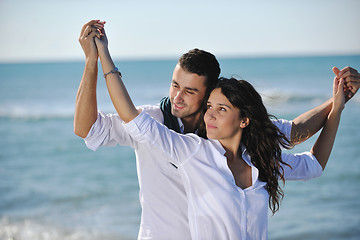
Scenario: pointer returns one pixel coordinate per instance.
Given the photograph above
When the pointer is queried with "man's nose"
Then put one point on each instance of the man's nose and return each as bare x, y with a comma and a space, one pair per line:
179, 96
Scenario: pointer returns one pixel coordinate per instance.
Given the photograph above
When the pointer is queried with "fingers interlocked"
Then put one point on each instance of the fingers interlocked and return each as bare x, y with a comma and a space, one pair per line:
92, 29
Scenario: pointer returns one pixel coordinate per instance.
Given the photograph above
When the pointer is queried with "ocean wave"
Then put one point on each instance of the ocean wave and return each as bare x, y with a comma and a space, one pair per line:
277, 97
33, 230
35, 116
38, 112
41, 110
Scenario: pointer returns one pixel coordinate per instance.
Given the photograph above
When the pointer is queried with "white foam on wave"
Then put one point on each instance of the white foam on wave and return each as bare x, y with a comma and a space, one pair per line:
42, 110
276, 97
35, 112
32, 230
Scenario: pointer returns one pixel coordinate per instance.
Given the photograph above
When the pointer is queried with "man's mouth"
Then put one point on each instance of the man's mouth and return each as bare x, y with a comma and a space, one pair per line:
177, 107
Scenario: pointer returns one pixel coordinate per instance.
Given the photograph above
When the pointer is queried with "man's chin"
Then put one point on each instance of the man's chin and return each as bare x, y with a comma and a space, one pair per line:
176, 113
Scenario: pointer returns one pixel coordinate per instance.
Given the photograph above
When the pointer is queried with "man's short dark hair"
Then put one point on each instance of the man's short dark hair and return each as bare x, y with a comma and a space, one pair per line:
203, 64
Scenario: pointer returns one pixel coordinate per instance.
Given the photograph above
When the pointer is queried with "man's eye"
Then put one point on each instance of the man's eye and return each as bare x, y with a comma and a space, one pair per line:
189, 92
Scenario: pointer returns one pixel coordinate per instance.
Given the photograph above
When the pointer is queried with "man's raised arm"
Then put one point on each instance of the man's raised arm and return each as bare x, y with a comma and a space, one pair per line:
86, 103
308, 123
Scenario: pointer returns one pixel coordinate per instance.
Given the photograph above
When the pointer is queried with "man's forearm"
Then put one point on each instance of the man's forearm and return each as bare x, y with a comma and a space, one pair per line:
86, 102
310, 122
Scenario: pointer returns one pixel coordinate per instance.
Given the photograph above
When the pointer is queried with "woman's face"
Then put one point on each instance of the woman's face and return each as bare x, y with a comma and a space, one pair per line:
222, 119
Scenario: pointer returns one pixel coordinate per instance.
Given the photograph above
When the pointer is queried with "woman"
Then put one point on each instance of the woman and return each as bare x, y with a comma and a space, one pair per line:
231, 178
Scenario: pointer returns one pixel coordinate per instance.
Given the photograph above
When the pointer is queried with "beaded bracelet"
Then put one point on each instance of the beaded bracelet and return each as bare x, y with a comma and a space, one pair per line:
115, 70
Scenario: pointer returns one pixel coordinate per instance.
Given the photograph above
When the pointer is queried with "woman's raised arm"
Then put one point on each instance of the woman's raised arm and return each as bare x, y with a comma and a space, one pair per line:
117, 90
323, 145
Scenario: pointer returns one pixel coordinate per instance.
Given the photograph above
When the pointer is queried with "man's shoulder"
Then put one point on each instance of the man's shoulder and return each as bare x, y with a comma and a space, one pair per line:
149, 107
154, 111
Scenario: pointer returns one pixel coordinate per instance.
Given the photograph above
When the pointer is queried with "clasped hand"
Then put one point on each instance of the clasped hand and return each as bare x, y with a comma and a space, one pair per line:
93, 38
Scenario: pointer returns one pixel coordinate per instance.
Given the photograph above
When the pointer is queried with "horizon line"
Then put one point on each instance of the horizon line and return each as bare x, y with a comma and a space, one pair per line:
169, 58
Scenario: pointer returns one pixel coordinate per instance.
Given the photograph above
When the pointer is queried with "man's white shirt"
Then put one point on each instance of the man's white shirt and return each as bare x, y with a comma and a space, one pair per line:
162, 195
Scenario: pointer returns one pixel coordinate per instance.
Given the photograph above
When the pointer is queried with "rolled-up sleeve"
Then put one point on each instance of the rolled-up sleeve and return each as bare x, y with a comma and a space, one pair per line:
304, 166
107, 131
284, 126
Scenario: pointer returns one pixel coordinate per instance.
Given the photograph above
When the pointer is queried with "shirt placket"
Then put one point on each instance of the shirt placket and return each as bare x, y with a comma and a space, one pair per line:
242, 196
243, 209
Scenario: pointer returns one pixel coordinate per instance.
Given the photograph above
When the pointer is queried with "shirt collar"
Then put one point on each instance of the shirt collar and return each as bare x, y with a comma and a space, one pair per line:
247, 159
219, 147
222, 164
182, 128
181, 125
245, 155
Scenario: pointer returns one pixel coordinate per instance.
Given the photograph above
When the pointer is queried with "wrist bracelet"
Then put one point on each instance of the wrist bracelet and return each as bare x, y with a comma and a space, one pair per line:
115, 70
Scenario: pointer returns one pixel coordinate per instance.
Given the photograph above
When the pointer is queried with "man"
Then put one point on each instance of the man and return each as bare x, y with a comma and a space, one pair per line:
162, 195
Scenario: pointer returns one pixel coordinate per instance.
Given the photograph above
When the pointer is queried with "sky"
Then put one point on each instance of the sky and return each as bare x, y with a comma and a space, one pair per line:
48, 30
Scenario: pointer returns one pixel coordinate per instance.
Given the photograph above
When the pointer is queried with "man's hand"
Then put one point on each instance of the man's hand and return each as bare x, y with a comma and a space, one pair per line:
89, 31
351, 80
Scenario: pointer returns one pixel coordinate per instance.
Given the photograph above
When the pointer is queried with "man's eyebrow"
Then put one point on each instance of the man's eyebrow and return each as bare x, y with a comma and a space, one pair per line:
187, 88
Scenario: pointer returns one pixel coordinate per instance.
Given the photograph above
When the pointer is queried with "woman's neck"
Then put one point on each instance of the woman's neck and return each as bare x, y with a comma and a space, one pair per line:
232, 147
240, 170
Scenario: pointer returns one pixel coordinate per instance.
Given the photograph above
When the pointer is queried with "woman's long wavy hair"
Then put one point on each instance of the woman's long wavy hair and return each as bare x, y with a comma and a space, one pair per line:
262, 139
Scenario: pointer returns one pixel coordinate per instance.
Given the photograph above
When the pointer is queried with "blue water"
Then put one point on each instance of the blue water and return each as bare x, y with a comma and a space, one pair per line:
53, 187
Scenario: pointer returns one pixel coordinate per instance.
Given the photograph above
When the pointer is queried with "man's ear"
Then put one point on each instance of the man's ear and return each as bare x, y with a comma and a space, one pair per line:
244, 122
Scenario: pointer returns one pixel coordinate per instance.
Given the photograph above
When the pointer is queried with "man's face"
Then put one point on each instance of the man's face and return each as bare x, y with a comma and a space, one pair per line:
187, 92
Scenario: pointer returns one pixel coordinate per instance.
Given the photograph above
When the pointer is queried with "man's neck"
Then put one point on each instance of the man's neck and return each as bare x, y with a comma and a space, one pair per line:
191, 123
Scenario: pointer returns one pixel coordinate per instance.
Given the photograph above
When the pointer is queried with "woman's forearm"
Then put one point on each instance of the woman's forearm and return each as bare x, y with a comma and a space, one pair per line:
117, 90
324, 144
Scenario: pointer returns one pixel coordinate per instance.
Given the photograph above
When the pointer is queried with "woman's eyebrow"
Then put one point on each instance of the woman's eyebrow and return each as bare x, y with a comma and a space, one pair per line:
222, 104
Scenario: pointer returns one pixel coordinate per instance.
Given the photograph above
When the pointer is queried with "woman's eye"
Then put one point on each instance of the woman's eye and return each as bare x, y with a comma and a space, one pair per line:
222, 109
208, 106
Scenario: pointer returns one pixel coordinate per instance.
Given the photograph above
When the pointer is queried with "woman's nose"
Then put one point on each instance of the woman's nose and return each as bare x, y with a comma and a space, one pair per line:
209, 114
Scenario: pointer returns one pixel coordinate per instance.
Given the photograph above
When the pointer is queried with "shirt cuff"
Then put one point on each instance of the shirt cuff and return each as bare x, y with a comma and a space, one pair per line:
287, 125
92, 140
315, 169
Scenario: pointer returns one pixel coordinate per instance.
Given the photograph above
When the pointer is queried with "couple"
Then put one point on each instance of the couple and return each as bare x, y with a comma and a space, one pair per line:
192, 188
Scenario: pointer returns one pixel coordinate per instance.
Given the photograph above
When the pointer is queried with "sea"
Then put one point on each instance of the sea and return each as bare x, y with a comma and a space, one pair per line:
52, 187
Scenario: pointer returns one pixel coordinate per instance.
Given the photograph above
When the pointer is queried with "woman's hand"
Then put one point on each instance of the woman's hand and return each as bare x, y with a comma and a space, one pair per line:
101, 41
351, 80
338, 95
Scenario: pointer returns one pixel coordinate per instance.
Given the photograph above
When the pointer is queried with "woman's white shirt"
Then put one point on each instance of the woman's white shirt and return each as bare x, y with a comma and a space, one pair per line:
217, 207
